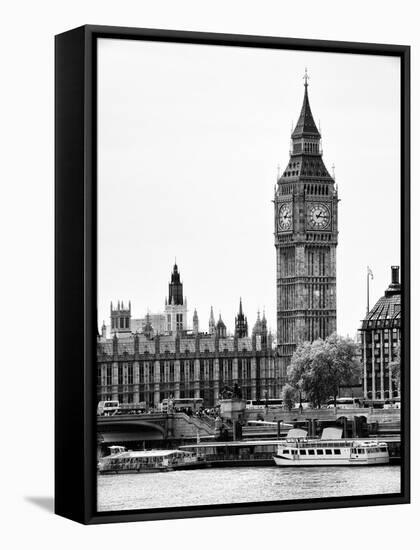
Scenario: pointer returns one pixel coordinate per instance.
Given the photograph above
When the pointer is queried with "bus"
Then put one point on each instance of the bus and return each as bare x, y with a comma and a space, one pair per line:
107, 408
183, 404
344, 403
263, 403
110, 408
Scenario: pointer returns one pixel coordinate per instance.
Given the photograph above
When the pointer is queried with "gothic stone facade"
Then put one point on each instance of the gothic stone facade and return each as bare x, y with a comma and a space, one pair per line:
306, 233
135, 368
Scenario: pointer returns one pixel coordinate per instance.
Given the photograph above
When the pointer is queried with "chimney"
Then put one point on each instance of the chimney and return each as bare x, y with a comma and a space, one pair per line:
395, 271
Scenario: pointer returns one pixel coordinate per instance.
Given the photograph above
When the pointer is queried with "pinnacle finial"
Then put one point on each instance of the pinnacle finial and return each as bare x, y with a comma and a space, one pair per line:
306, 77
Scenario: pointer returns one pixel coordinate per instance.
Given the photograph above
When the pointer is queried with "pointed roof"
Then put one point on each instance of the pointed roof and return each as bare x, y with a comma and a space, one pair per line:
306, 124
220, 323
175, 275
257, 327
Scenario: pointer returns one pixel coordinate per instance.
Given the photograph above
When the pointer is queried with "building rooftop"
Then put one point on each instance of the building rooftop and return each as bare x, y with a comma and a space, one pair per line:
387, 310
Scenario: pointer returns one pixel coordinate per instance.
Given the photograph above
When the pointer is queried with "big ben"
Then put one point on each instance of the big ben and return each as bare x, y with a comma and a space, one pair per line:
305, 239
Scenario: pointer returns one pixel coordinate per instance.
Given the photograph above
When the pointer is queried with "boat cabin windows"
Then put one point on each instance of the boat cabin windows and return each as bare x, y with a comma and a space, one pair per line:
337, 451
302, 451
328, 451
320, 451
286, 451
311, 451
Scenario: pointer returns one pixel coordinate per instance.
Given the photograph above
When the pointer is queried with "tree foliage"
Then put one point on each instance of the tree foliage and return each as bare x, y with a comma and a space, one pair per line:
395, 366
289, 395
319, 368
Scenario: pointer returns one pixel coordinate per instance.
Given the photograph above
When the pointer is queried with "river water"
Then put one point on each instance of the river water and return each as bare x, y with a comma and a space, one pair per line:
235, 485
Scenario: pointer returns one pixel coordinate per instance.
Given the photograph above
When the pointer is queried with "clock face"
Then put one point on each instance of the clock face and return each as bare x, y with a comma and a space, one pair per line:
285, 217
319, 216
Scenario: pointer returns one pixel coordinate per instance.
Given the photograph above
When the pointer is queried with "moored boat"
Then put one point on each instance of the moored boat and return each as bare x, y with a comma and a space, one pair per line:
121, 461
330, 450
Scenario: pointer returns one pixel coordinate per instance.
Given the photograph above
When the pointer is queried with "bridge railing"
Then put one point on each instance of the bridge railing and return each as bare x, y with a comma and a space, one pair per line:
203, 423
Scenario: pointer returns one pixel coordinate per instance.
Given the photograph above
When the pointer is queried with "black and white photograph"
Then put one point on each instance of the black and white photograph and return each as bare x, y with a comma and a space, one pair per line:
248, 274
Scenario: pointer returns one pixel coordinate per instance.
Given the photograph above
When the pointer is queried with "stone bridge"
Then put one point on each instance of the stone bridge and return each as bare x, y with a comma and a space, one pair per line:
181, 427
152, 427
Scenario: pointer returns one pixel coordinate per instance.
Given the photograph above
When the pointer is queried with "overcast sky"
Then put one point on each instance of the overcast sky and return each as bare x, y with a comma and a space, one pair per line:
189, 140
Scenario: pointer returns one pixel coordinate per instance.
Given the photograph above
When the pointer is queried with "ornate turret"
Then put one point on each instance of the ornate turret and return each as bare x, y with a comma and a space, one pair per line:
212, 324
103, 330
175, 288
221, 328
258, 325
260, 332
241, 323
147, 328
121, 318
195, 322
175, 305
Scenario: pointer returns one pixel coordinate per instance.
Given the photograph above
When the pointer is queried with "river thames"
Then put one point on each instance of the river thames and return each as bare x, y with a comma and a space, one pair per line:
236, 485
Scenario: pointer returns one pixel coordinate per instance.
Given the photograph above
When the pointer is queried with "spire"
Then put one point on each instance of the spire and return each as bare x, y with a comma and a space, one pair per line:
258, 325
306, 148
306, 125
195, 322
148, 328
175, 288
241, 323
221, 327
212, 324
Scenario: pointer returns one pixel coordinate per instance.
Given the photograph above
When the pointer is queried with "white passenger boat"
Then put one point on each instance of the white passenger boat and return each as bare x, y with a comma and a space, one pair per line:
330, 450
121, 461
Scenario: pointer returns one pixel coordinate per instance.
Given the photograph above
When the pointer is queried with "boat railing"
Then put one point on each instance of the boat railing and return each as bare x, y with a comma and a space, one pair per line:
305, 443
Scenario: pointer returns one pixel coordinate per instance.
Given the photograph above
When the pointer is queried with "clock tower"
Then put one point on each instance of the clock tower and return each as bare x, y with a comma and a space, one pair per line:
306, 233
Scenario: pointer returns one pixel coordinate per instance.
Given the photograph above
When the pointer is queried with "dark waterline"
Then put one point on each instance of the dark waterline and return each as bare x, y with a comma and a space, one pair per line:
235, 485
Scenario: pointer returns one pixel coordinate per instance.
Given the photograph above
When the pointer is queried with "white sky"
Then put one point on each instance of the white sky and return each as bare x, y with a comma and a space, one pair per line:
189, 139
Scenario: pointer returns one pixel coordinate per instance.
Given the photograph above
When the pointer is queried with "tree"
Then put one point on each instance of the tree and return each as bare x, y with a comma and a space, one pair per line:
395, 366
319, 368
289, 396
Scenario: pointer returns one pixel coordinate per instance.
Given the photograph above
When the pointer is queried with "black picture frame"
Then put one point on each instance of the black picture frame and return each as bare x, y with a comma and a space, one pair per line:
75, 270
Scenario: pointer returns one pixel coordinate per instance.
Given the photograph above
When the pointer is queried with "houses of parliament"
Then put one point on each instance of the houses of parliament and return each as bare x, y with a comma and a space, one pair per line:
162, 355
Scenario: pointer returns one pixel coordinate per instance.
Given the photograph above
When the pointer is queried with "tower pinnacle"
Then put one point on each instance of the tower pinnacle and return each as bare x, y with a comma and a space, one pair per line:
306, 127
175, 288
306, 77
241, 323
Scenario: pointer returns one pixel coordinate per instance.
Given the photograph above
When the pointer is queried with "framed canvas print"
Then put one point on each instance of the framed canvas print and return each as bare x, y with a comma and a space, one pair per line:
232, 274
